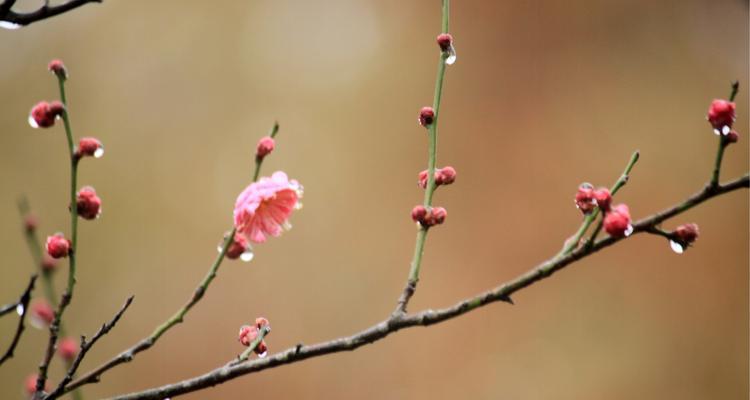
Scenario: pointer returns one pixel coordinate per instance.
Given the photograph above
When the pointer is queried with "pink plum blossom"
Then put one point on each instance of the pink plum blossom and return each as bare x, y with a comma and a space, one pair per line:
264, 207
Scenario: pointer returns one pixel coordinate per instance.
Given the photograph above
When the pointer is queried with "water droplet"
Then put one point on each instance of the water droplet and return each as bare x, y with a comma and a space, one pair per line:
717, 132
725, 129
9, 25
298, 206
32, 122
19, 309
263, 354
247, 256
451, 59
99, 152
286, 225
676, 247
629, 230
219, 248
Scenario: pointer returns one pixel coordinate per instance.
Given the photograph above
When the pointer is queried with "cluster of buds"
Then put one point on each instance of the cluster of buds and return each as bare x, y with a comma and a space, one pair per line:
443, 176
428, 217
721, 116
616, 221
249, 333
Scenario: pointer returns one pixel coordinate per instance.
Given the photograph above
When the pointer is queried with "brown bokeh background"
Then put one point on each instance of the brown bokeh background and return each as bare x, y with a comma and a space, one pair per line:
545, 95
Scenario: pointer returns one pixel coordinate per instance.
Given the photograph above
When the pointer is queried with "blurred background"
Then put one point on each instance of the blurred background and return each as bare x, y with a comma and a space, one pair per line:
545, 95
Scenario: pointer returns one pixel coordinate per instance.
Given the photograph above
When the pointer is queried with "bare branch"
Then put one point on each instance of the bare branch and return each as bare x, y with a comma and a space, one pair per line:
22, 302
44, 12
85, 347
428, 317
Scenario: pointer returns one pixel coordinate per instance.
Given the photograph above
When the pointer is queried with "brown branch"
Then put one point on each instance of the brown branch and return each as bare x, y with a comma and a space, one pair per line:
85, 347
428, 317
23, 302
44, 12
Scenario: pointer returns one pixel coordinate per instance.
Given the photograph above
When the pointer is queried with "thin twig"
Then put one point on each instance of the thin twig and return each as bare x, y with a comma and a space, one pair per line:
22, 302
432, 133
146, 343
427, 317
85, 347
44, 12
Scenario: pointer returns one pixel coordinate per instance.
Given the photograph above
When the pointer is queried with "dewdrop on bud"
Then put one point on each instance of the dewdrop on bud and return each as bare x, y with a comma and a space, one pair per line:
426, 116
683, 237
58, 68
585, 198
445, 41
617, 221
721, 116
239, 248
9, 25
44, 114
90, 146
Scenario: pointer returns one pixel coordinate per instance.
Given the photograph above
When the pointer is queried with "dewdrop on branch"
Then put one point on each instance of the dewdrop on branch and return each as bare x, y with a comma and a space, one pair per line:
445, 42
9, 25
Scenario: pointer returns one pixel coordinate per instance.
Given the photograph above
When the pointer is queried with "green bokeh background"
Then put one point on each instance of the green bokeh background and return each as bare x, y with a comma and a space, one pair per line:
545, 95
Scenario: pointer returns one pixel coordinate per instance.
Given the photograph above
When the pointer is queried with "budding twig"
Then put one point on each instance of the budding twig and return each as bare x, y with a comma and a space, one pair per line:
146, 343
23, 303
416, 263
428, 317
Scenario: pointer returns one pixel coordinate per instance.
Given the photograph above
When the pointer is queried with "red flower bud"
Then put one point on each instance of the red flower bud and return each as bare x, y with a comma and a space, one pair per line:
418, 214
422, 182
445, 175
686, 233
88, 203
58, 246
721, 113
617, 221
445, 41
733, 136
29, 385
89, 146
265, 147
603, 198
48, 263
260, 322
248, 334
30, 223
426, 116
438, 215
67, 349
58, 68
42, 314
43, 114
585, 198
